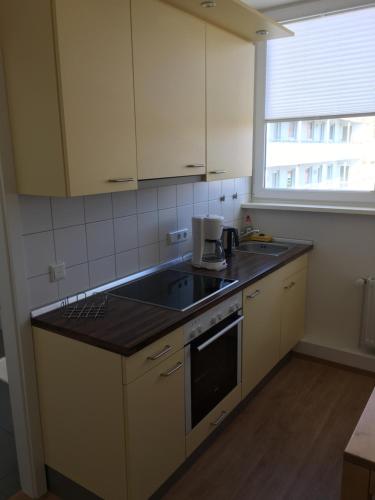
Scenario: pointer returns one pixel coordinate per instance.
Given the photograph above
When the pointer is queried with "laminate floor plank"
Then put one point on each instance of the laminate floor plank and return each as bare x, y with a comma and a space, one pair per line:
288, 441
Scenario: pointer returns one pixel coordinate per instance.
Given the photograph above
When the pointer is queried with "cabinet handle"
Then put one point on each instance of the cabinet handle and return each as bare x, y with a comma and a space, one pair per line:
254, 294
220, 419
196, 165
218, 172
122, 179
158, 355
291, 285
172, 370
235, 196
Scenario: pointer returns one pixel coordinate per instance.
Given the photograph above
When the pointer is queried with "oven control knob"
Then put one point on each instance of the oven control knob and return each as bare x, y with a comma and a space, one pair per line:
232, 309
213, 321
219, 317
199, 329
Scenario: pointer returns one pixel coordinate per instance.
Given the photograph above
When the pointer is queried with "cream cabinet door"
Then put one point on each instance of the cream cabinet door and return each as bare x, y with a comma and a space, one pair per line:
230, 96
155, 426
169, 71
261, 330
94, 57
293, 310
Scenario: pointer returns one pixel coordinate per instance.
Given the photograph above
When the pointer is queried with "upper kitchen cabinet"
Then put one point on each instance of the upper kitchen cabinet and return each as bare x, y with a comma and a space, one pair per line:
169, 72
230, 98
69, 79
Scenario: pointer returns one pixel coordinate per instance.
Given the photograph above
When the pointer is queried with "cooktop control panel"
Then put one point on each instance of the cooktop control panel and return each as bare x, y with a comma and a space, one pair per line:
212, 317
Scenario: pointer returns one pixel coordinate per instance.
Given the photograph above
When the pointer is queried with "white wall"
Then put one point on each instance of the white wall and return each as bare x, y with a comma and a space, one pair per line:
344, 249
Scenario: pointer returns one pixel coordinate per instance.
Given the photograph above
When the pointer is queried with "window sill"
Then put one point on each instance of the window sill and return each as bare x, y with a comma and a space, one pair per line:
299, 207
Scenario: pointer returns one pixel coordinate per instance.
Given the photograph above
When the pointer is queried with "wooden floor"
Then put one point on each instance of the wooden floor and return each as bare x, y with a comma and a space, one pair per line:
288, 442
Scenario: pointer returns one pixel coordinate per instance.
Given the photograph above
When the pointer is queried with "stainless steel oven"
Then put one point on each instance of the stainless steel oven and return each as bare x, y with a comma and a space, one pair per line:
212, 358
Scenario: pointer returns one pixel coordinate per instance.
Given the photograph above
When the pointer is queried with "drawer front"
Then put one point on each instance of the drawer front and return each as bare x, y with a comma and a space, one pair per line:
212, 421
149, 357
155, 426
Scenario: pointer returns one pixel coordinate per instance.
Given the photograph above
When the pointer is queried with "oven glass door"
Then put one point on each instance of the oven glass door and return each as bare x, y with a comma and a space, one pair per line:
214, 366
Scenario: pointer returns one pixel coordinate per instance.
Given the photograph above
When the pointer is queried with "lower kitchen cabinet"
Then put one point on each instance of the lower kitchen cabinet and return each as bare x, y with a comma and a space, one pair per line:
274, 311
117, 425
155, 426
81, 407
293, 311
261, 330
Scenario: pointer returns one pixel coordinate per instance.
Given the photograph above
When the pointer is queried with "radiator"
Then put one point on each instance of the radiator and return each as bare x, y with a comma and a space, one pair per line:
367, 335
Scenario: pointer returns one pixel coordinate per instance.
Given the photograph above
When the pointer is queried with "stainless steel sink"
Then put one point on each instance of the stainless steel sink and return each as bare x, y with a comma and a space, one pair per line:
274, 249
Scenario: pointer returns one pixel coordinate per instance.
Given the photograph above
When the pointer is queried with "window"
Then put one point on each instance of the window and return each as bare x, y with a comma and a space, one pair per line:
320, 98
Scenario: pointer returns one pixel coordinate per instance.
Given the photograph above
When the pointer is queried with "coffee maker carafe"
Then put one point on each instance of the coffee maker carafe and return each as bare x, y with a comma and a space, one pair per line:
208, 251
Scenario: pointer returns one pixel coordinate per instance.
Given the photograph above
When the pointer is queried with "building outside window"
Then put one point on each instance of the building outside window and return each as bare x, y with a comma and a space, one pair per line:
276, 179
334, 153
291, 179
329, 172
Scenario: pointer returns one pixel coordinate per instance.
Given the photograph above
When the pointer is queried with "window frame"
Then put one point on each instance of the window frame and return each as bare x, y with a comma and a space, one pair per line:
259, 192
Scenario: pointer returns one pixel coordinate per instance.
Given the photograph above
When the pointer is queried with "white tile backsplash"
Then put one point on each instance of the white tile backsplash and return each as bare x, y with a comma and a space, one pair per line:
127, 263
200, 192
102, 271
184, 216
124, 204
36, 214
214, 207
98, 207
148, 256
227, 208
42, 291
100, 239
228, 188
214, 190
167, 197
201, 208
167, 222
77, 280
242, 185
71, 245
126, 233
185, 194
148, 228
167, 252
39, 253
114, 235
67, 212
147, 200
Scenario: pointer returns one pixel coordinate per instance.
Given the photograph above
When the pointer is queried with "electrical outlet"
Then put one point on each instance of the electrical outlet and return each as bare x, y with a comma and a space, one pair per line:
57, 272
178, 236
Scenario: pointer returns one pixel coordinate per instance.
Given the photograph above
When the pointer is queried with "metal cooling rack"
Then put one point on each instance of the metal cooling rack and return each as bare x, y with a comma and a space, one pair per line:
93, 307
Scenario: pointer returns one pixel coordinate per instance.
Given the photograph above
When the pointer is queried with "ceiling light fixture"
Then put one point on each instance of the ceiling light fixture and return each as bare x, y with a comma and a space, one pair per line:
262, 32
208, 4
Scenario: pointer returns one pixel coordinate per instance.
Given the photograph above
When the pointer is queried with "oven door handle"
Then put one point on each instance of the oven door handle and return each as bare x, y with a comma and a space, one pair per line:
219, 334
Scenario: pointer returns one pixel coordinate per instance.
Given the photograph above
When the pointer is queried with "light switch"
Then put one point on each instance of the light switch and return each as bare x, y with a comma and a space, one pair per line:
57, 272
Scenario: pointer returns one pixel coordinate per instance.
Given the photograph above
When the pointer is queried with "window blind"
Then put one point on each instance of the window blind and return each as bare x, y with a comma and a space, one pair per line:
326, 69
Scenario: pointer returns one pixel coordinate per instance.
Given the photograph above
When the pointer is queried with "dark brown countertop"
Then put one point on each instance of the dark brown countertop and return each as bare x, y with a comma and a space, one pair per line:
129, 326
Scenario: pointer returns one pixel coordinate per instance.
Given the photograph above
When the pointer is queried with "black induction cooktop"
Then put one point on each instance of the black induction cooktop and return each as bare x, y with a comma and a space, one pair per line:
172, 289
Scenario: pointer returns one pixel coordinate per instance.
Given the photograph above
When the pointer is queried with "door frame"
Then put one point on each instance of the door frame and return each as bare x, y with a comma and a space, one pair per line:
15, 318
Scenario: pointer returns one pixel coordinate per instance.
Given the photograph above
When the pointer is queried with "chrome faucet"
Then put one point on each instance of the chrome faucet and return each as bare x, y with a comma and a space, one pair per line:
248, 231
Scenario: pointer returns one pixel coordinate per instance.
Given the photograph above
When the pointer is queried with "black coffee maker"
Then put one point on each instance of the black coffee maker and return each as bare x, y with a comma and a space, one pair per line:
230, 239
